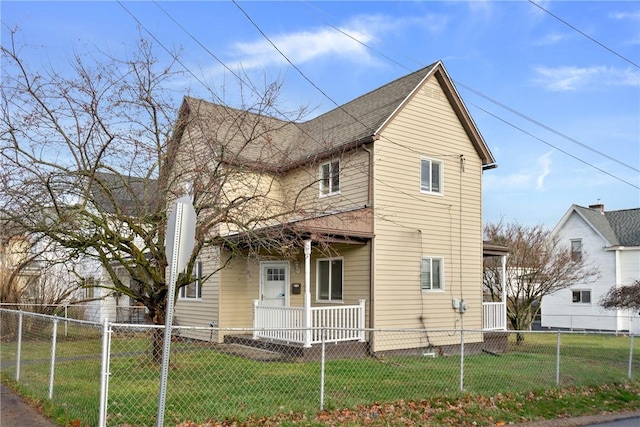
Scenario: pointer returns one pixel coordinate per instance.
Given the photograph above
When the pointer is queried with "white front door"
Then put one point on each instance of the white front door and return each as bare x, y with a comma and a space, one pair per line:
274, 277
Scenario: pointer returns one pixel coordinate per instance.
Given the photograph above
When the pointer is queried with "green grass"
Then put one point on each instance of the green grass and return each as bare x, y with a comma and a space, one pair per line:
205, 383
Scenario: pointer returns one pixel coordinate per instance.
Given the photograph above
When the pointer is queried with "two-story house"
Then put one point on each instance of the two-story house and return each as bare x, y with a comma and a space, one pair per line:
384, 230
610, 241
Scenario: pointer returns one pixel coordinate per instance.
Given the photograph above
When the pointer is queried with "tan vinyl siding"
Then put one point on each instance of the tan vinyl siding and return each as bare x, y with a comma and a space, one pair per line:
409, 224
239, 288
303, 185
200, 312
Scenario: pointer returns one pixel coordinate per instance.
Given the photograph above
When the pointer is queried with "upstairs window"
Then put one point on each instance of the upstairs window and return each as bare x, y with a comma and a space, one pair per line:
194, 289
90, 289
581, 297
576, 249
329, 279
431, 278
330, 178
431, 176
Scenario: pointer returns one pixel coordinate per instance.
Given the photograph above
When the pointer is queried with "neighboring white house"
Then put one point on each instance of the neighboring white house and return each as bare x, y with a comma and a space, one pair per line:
610, 241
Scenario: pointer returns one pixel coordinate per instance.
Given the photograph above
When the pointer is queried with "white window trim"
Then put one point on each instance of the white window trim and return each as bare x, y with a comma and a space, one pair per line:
442, 278
320, 181
328, 301
198, 267
571, 252
581, 303
441, 163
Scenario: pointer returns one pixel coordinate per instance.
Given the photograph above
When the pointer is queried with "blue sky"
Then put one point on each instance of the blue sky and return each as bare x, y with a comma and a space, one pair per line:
558, 106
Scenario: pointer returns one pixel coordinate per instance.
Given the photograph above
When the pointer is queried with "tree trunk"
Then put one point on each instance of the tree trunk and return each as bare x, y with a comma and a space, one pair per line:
158, 316
157, 345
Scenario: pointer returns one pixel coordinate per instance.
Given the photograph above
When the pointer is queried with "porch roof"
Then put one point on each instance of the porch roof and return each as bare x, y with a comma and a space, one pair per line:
493, 249
346, 227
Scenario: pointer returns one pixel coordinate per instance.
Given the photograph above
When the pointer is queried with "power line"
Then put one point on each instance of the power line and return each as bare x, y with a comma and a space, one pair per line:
172, 54
550, 129
214, 56
390, 59
488, 98
295, 66
554, 147
356, 119
584, 34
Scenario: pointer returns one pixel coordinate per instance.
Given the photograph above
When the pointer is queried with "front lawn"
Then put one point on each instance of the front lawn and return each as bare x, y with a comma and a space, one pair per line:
206, 383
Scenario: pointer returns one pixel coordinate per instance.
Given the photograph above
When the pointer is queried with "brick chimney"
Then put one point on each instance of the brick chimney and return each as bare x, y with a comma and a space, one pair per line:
598, 207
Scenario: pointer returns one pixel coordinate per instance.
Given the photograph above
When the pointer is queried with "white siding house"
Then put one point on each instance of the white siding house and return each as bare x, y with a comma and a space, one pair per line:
610, 242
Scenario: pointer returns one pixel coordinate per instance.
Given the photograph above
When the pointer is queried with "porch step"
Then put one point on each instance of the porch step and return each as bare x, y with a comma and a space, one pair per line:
253, 353
291, 352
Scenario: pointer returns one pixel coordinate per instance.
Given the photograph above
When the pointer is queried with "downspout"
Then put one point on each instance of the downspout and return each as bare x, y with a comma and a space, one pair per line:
307, 293
618, 284
371, 245
370, 178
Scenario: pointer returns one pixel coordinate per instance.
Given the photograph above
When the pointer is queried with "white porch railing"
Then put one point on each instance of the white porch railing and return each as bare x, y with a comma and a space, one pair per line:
328, 324
494, 316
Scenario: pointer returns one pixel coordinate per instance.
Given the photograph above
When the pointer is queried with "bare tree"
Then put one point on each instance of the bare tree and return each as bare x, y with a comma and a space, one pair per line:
537, 265
93, 161
623, 297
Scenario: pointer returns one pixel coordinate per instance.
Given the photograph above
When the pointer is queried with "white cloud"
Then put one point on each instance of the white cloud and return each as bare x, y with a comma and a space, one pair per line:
550, 39
570, 78
522, 181
544, 162
306, 46
635, 16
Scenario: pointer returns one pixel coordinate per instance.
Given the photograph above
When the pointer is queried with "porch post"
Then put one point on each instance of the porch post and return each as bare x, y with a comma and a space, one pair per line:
504, 292
255, 318
307, 293
361, 320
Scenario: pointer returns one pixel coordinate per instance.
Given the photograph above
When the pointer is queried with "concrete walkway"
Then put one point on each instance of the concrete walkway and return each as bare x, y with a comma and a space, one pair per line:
15, 412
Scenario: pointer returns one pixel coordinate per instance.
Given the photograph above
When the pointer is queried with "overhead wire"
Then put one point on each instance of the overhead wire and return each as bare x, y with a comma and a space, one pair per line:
553, 146
546, 127
387, 57
172, 54
486, 97
584, 34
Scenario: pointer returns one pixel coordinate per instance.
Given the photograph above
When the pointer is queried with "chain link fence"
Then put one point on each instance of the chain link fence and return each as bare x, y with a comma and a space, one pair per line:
109, 373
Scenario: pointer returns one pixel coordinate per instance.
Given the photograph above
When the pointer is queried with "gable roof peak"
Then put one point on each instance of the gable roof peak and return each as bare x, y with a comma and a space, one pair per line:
618, 227
347, 126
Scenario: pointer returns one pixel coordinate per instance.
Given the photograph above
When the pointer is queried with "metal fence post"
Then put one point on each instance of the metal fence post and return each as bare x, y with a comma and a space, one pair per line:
53, 355
66, 319
630, 355
558, 360
19, 348
322, 363
104, 377
461, 359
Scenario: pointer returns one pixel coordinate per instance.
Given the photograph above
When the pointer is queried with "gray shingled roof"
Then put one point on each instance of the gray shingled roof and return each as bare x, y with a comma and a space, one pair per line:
363, 116
626, 226
130, 195
620, 228
277, 142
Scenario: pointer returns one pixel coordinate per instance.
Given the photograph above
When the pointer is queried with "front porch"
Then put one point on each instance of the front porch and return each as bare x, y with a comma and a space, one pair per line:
304, 325
309, 325
336, 323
